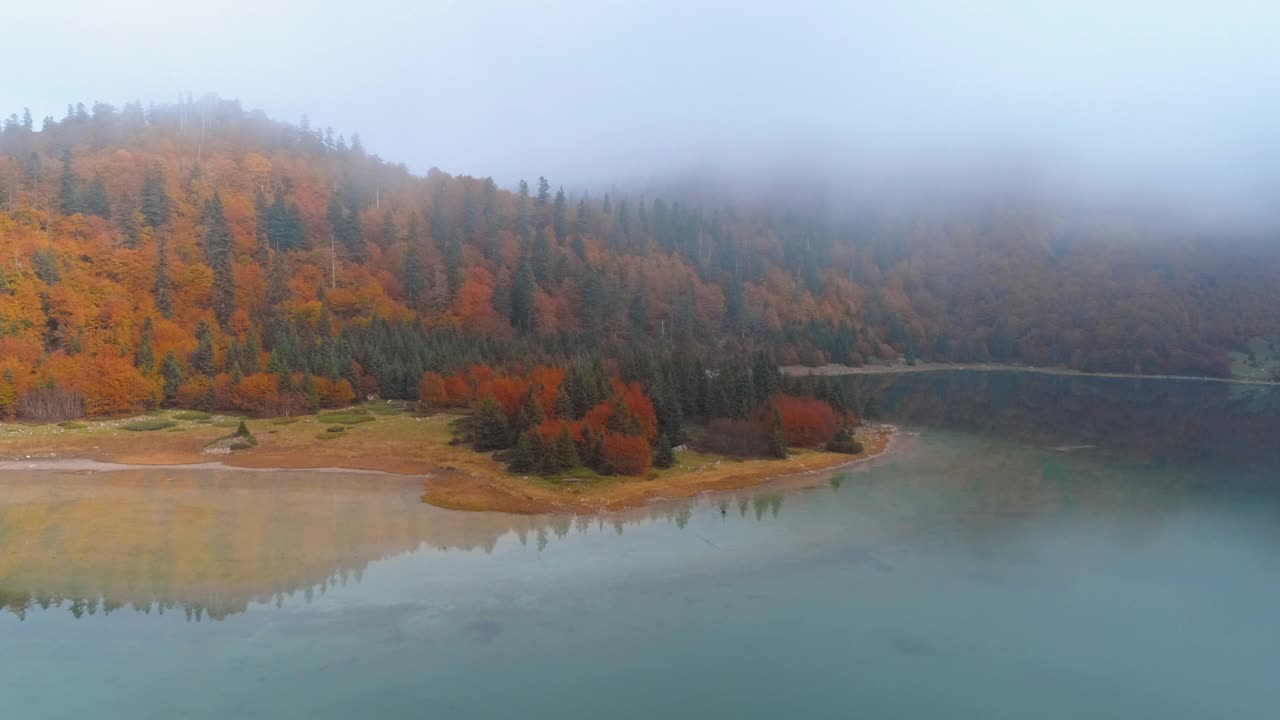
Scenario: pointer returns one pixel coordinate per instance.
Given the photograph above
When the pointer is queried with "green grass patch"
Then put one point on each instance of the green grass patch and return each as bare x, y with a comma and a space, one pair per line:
227, 423
284, 421
72, 425
385, 409
335, 428
196, 415
149, 424
346, 418
329, 436
154, 413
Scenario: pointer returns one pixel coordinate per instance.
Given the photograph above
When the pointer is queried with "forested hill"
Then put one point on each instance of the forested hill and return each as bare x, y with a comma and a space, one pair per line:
236, 244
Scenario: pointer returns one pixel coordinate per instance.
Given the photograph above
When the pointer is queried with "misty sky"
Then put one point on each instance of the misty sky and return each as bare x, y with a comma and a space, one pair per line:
597, 92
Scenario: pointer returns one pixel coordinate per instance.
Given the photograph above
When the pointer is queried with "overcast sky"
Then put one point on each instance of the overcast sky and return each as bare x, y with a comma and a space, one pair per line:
602, 91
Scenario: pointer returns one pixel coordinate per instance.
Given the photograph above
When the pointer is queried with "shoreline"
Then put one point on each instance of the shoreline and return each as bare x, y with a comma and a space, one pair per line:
474, 482
507, 493
837, 370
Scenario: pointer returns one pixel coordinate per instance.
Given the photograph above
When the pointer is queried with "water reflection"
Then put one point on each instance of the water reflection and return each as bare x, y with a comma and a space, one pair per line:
209, 544
1168, 421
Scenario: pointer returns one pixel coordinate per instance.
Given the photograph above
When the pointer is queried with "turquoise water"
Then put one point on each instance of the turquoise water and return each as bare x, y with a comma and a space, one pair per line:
975, 574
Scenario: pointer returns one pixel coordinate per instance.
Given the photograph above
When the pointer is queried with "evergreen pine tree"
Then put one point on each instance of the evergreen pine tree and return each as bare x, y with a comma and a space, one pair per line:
561, 216
413, 275
145, 358
70, 195
564, 453
155, 198
490, 428
127, 222
277, 294
522, 312
530, 415
764, 377
777, 435
522, 460
218, 253
202, 358
664, 456
162, 288
96, 201
171, 369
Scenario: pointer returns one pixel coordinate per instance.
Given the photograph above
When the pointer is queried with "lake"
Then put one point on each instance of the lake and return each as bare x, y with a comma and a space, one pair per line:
1035, 547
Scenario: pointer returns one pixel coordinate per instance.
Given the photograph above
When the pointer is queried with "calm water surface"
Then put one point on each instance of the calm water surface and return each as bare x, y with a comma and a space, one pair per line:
1038, 547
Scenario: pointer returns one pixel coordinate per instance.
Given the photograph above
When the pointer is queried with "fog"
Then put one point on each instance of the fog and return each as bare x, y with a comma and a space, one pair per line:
1152, 94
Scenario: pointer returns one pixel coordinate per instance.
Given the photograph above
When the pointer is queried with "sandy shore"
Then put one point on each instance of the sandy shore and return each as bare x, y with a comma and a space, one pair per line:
694, 475
453, 475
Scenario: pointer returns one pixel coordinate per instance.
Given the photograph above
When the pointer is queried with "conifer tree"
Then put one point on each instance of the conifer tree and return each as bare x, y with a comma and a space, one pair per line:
491, 430
530, 415
522, 460
162, 288
70, 187
145, 358
96, 201
560, 216
413, 276
127, 222
218, 253
155, 198
522, 284
202, 358
171, 370
777, 435
664, 456
565, 455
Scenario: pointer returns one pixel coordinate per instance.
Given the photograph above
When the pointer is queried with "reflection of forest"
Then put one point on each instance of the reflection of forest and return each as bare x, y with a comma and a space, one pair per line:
1156, 420
208, 543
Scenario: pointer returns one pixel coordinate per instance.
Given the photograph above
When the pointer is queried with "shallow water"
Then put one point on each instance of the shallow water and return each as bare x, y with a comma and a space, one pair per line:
975, 573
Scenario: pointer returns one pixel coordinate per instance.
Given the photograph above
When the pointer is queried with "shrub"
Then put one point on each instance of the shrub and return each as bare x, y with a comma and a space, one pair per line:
625, 454
257, 394
431, 391
51, 405
148, 424
351, 417
844, 442
335, 428
806, 421
741, 438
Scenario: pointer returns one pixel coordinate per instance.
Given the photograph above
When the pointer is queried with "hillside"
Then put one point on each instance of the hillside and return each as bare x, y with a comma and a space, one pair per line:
145, 254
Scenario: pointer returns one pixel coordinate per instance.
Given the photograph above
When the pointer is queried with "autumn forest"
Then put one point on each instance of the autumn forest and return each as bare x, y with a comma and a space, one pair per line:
199, 255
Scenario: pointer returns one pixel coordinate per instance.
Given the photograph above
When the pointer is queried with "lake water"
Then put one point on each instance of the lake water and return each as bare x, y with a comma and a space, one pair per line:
1037, 547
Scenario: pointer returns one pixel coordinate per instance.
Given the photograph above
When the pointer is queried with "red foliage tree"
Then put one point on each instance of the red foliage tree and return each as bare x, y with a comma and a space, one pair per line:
256, 394
431, 390
625, 454
807, 422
